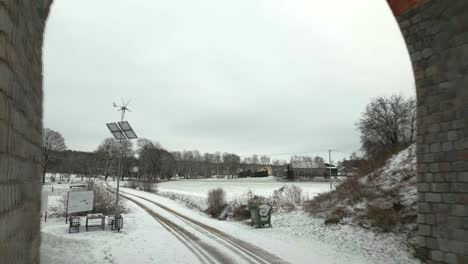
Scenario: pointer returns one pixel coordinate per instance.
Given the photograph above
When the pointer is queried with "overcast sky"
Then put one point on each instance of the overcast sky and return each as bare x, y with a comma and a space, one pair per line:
244, 76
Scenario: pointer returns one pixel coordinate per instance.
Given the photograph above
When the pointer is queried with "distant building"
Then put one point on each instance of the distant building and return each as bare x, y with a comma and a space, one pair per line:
351, 167
316, 172
267, 169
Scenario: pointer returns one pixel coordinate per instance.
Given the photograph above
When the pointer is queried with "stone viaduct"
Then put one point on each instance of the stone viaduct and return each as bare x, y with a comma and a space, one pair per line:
436, 34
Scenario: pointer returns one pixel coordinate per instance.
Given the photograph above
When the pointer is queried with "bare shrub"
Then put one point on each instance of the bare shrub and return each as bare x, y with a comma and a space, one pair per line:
132, 184
104, 201
241, 212
149, 187
216, 201
293, 194
349, 192
288, 197
383, 218
332, 220
336, 216
52, 178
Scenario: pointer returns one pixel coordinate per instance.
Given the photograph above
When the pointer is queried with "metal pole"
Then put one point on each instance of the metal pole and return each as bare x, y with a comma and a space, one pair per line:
66, 215
329, 166
118, 180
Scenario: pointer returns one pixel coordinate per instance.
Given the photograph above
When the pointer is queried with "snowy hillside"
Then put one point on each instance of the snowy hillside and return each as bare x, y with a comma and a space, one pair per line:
384, 200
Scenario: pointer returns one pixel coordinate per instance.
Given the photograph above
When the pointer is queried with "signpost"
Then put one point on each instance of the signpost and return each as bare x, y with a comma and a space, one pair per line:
44, 202
80, 201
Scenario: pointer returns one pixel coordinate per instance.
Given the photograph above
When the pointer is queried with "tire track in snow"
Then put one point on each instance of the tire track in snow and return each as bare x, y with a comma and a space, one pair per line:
203, 247
260, 255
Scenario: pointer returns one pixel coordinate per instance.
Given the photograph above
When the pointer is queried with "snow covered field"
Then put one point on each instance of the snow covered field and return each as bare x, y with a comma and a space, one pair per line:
236, 187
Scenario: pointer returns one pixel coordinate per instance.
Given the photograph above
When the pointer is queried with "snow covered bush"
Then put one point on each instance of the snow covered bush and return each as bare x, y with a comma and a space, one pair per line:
287, 197
216, 201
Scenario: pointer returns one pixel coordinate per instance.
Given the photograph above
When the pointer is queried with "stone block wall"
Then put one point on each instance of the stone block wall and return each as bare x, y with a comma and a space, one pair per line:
21, 33
436, 34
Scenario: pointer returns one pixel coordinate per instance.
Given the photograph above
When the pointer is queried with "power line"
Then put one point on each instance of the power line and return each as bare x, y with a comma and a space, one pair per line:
294, 153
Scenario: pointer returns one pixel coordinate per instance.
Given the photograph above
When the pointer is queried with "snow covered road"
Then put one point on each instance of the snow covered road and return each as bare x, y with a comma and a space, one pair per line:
209, 244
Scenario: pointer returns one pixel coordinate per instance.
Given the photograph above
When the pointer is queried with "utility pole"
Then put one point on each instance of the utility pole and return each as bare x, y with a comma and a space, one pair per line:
329, 166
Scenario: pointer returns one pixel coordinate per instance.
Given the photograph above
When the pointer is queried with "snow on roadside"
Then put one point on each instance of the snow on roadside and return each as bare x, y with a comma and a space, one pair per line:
142, 240
382, 248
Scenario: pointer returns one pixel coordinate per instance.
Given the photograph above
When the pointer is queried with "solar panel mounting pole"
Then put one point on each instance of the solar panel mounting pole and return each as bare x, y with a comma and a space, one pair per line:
117, 211
329, 166
121, 131
119, 174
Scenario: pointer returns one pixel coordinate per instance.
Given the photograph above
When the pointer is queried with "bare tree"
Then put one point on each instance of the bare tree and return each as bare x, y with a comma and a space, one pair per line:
231, 163
53, 142
155, 162
108, 151
254, 159
387, 125
265, 160
319, 162
298, 161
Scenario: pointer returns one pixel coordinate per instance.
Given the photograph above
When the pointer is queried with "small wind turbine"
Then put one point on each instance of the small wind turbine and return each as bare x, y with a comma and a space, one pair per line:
123, 108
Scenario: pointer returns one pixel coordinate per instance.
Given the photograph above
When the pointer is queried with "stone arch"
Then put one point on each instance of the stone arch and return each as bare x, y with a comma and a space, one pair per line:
436, 34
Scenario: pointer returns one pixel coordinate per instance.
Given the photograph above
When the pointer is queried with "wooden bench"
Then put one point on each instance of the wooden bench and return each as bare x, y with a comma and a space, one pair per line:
74, 224
95, 221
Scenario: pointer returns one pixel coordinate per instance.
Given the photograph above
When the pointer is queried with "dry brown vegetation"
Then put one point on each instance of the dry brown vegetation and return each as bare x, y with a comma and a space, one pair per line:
216, 201
362, 204
384, 200
147, 186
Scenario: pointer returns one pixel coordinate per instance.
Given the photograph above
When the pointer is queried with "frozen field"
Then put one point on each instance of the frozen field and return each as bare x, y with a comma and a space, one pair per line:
236, 187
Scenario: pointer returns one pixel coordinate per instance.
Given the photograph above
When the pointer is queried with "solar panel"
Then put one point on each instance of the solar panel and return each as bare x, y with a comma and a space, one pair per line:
122, 131
124, 125
113, 127
119, 135
127, 129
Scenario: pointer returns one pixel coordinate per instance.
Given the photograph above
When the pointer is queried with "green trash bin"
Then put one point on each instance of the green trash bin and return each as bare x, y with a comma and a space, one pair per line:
260, 215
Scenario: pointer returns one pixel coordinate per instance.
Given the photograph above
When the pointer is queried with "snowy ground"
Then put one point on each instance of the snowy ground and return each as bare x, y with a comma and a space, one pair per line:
296, 237
236, 187
141, 241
